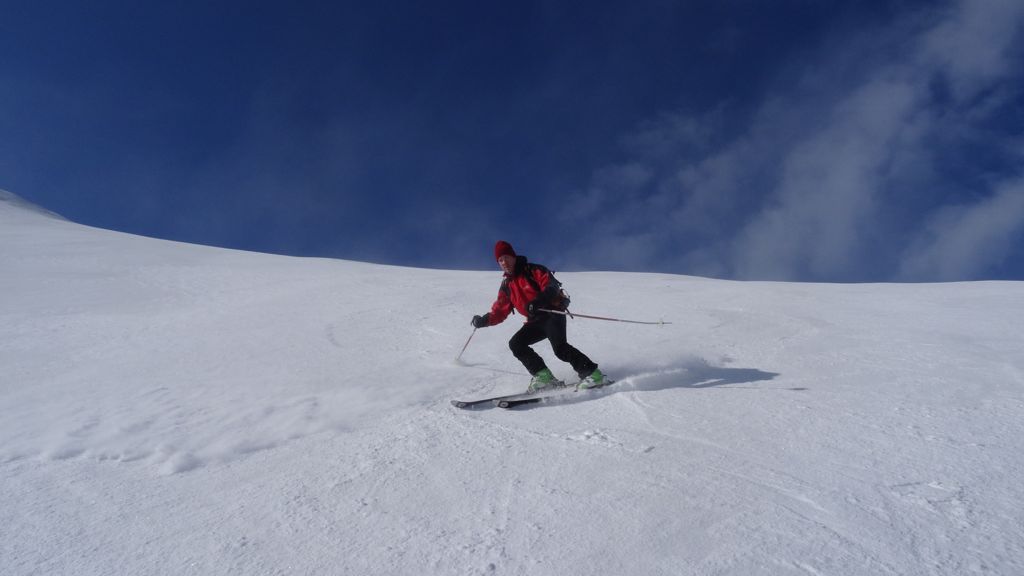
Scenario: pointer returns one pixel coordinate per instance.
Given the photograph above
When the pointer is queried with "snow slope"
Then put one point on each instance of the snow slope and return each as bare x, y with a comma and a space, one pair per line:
178, 409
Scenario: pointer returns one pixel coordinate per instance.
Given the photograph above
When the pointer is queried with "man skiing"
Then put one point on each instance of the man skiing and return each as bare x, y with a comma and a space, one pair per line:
530, 288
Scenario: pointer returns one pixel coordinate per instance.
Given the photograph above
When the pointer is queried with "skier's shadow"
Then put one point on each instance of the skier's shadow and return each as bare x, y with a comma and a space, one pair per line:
701, 376
689, 374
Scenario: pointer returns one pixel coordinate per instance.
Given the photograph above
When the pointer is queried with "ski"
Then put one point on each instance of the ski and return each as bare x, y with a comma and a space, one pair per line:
479, 403
495, 400
525, 399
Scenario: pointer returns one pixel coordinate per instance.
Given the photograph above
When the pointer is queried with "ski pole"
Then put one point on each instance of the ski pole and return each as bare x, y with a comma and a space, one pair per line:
574, 315
459, 357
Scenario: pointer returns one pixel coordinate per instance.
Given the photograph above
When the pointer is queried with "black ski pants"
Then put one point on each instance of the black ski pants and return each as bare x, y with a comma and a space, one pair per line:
552, 327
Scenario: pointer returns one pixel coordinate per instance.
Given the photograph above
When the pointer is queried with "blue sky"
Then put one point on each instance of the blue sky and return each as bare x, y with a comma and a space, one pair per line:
788, 140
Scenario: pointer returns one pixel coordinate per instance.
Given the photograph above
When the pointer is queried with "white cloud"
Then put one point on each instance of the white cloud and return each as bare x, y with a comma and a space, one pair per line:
835, 172
827, 193
970, 44
962, 242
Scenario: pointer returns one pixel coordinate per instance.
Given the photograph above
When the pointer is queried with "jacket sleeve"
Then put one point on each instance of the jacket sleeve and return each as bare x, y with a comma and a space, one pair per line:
500, 310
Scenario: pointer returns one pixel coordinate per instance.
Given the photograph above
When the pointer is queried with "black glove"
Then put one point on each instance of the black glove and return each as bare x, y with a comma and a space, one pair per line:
481, 321
533, 308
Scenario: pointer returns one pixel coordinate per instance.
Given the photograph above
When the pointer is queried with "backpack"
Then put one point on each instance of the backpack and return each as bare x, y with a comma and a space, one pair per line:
561, 299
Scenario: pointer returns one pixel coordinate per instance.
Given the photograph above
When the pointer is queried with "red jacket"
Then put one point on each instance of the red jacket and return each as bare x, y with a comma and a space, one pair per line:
520, 291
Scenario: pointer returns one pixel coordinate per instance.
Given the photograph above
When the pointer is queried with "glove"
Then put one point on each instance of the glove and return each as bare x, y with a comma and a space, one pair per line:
480, 321
533, 308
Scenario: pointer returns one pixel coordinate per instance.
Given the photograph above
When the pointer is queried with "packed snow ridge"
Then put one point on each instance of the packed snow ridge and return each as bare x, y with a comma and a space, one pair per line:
180, 409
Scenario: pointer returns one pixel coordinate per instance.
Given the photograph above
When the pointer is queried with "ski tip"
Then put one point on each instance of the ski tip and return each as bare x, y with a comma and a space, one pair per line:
459, 404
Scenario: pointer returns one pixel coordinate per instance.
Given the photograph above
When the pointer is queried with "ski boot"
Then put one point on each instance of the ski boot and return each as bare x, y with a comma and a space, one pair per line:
595, 379
543, 380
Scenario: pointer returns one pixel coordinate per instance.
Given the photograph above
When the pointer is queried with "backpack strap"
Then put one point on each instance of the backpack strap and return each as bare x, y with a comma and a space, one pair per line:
530, 268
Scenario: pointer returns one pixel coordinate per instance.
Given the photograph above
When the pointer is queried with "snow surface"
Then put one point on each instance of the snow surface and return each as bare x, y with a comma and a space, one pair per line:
179, 409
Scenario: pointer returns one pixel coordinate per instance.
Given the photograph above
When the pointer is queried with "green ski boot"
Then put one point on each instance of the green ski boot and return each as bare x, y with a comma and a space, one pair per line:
594, 380
542, 380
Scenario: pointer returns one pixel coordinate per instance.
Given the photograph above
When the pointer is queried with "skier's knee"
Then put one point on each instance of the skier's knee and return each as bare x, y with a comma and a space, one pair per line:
515, 346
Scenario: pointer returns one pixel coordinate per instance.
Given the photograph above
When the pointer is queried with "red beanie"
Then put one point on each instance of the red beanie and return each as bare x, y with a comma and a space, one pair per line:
502, 248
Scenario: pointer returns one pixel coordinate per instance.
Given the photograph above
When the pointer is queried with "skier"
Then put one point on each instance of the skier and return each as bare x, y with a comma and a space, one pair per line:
530, 288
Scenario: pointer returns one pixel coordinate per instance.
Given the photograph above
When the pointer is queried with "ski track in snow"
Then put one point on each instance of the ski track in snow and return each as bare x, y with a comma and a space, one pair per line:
175, 409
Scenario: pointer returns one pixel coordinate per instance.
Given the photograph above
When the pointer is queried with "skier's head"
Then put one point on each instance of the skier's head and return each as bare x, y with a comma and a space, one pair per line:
503, 248
505, 256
